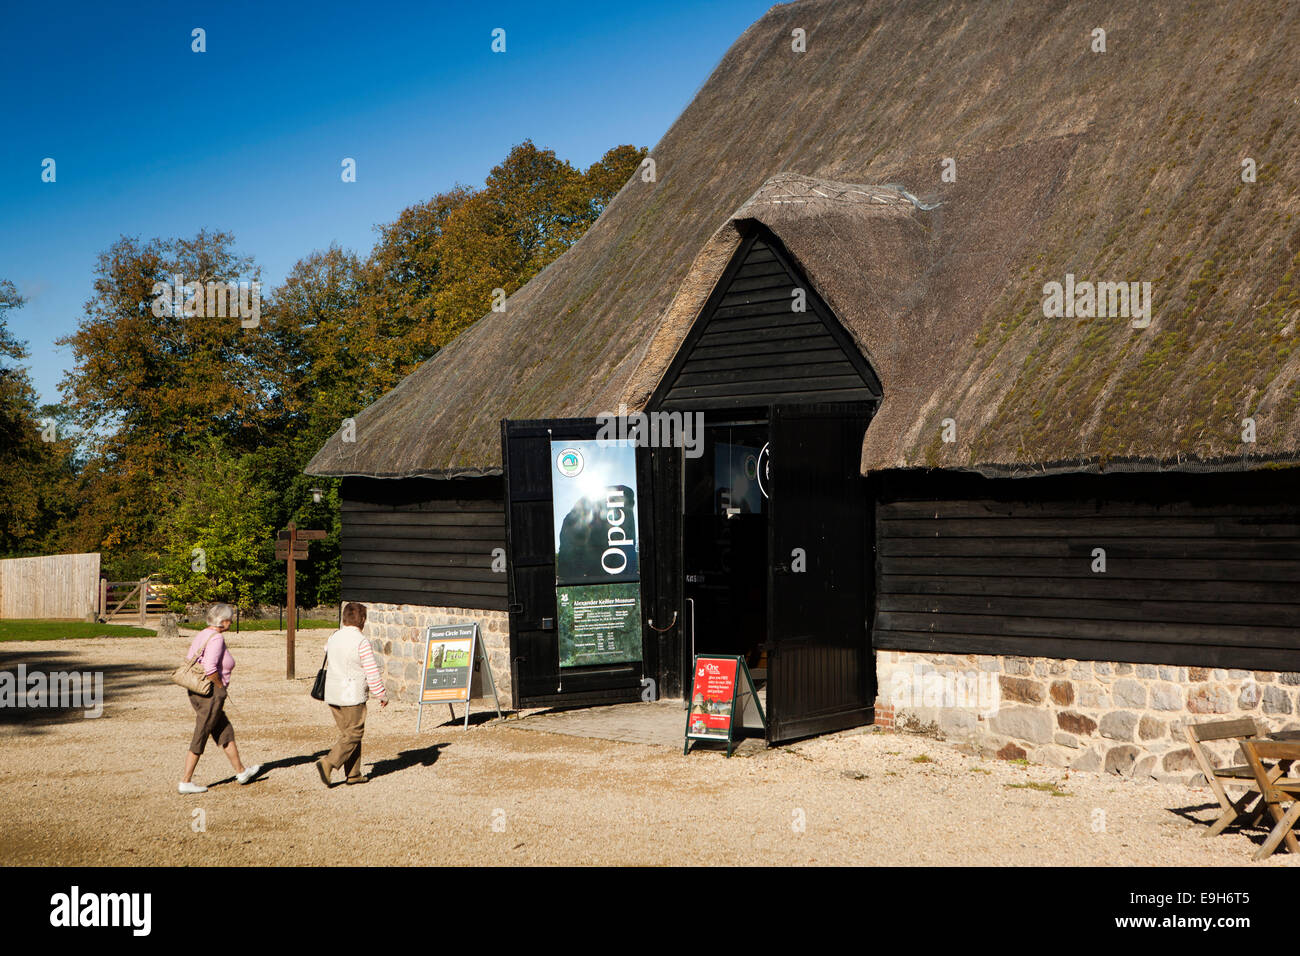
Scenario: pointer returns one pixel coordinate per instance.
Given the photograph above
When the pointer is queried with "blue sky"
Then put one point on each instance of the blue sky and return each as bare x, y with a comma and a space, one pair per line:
152, 139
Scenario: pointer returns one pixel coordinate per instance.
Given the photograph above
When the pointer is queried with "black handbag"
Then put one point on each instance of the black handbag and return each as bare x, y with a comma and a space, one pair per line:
318, 686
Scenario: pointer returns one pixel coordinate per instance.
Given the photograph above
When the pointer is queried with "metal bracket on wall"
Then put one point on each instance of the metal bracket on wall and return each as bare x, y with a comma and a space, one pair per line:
662, 630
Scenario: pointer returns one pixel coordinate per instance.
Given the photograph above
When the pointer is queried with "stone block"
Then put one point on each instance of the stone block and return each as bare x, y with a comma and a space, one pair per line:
1121, 759
1023, 723
1129, 693
1148, 671
1177, 761
1011, 752
1277, 701
1197, 674
1288, 678
1053, 756
1020, 690
1066, 740
1123, 669
1145, 766
1093, 696
1016, 665
1209, 699
1167, 697
1062, 692
1150, 728
1090, 762
1249, 695
1118, 725
1074, 723
954, 720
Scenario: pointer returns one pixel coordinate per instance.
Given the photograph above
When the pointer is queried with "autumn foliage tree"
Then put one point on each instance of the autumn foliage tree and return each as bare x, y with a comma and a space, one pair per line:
169, 395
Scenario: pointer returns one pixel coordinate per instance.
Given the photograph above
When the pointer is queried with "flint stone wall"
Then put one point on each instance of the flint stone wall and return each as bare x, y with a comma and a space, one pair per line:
396, 632
1085, 715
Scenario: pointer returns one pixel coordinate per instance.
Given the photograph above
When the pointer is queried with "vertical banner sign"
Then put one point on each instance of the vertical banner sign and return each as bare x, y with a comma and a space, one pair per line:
597, 561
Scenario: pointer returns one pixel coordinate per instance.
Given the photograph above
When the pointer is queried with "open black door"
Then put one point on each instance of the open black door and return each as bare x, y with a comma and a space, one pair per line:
538, 680
821, 670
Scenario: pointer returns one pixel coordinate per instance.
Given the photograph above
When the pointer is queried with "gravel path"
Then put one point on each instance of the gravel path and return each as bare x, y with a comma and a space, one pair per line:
103, 791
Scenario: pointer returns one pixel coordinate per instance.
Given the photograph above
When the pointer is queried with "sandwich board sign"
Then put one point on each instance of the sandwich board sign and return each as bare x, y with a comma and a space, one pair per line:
455, 666
723, 699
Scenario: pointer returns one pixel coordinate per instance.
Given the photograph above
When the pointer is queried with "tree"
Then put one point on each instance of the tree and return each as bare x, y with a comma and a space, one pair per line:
216, 543
37, 459
153, 379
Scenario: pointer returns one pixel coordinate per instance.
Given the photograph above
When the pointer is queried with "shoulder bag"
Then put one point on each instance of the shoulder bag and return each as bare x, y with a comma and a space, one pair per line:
318, 687
190, 674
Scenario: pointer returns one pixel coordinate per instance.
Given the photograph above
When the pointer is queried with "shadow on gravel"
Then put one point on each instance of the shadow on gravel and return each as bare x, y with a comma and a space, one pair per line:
1188, 814
117, 678
475, 718
268, 765
424, 757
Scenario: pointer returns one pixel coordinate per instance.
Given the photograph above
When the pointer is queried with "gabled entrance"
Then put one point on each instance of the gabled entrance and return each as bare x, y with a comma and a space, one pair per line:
755, 541
776, 545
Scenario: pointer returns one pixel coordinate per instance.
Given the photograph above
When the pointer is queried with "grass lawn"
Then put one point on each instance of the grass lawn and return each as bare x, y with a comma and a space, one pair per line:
271, 624
22, 630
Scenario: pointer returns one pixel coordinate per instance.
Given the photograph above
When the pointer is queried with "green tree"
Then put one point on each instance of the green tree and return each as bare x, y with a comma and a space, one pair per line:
216, 543
37, 459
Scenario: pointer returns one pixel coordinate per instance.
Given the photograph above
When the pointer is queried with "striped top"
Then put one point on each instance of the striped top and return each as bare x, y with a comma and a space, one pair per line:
371, 667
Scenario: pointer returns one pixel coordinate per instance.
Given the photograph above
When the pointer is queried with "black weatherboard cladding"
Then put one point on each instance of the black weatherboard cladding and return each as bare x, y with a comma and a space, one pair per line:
1201, 570
750, 347
424, 541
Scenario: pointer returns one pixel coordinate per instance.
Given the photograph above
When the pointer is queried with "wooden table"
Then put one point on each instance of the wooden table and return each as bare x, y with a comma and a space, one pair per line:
1284, 747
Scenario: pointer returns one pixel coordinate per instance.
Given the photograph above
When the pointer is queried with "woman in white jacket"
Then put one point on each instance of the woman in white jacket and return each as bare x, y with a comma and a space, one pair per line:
351, 674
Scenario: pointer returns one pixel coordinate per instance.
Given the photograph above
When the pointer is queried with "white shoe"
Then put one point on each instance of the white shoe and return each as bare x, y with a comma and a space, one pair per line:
187, 787
249, 773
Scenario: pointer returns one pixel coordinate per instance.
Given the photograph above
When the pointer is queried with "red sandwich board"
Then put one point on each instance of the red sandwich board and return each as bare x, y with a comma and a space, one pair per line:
722, 689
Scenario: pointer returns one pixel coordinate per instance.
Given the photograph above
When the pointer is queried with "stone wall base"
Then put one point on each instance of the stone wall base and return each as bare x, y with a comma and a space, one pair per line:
397, 633
1085, 715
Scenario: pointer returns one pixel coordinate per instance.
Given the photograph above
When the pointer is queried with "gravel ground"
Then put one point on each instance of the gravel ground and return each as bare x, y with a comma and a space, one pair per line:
103, 791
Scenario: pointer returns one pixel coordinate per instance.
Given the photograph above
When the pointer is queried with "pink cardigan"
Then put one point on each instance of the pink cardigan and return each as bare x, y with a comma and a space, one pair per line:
212, 644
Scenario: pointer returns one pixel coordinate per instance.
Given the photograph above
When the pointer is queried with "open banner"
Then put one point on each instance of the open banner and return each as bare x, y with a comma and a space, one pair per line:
597, 559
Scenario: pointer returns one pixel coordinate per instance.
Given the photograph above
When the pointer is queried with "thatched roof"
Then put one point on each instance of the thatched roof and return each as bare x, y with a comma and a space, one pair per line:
1114, 166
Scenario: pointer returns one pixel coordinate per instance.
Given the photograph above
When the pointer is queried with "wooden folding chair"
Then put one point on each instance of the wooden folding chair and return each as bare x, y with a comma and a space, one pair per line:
1238, 776
1275, 789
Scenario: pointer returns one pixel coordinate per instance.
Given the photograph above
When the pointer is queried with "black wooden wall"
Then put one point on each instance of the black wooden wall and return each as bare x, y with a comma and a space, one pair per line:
749, 348
424, 541
1201, 569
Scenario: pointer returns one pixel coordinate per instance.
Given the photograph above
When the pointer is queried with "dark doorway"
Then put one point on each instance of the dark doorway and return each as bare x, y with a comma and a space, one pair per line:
724, 544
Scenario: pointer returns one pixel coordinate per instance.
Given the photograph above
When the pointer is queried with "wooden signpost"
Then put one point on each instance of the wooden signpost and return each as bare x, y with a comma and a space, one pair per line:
291, 546
723, 699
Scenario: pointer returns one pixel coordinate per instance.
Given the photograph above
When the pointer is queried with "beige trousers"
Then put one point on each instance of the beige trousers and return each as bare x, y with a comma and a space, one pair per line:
347, 750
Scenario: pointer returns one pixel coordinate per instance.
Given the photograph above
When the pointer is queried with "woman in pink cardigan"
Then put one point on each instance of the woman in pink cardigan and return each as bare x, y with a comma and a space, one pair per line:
210, 718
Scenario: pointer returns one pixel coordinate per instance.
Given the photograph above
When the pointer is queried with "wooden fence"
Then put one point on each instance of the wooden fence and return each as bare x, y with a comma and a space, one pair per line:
58, 586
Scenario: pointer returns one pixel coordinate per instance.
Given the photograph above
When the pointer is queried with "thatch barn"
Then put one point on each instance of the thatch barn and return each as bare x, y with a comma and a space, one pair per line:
1097, 506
